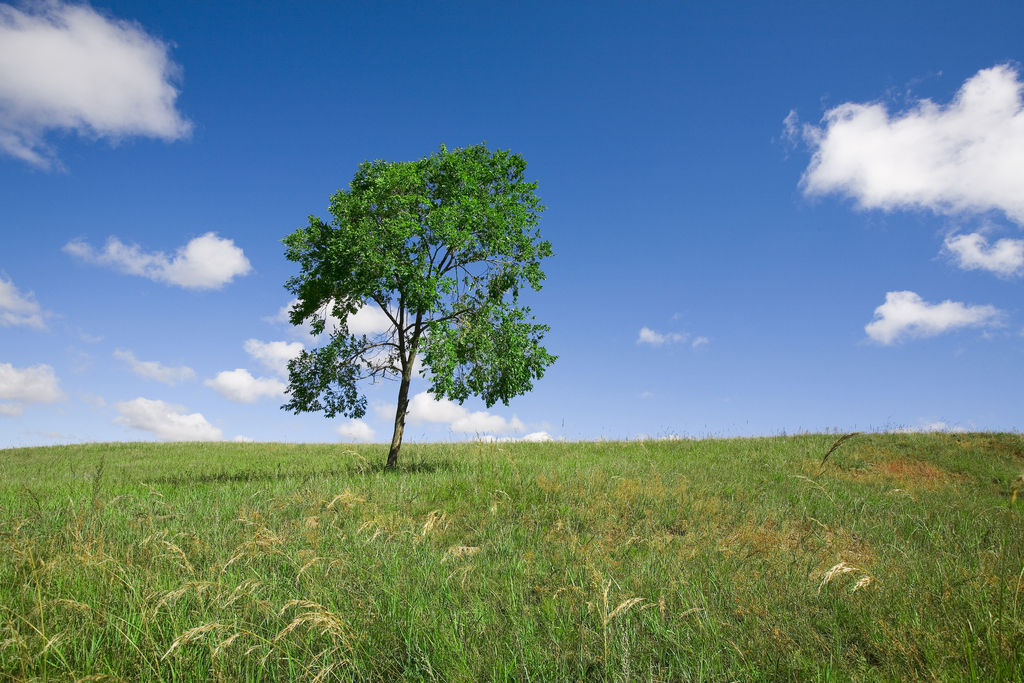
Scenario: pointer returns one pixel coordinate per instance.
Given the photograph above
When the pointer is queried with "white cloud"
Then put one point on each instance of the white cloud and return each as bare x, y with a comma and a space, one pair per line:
423, 408
242, 439
356, 430
273, 356
206, 262
238, 385
973, 252
939, 426
906, 315
22, 386
649, 336
67, 67
368, 320
19, 309
963, 157
92, 400
700, 341
535, 437
166, 421
282, 314
151, 369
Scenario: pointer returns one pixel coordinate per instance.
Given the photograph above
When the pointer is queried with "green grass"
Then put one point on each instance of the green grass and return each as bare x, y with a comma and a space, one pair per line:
712, 560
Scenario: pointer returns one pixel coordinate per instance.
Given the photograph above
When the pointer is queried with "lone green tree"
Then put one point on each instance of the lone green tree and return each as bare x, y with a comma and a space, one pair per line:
442, 246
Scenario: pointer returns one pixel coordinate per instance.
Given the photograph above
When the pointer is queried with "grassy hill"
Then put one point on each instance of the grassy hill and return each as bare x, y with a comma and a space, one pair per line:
899, 559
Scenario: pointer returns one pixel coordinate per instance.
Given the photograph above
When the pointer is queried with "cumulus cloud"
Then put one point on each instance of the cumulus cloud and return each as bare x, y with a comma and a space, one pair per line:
19, 309
1005, 258
151, 369
273, 356
963, 157
368, 320
649, 336
904, 315
20, 387
241, 387
207, 262
68, 67
165, 420
423, 408
535, 437
356, 430
242, 439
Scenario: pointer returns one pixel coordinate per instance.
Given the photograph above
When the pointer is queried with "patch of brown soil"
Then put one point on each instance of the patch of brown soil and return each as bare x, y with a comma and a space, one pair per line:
915, 473
883, 466
1003, 445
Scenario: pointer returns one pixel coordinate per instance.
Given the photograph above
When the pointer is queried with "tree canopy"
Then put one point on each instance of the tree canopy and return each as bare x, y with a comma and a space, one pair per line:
442, 245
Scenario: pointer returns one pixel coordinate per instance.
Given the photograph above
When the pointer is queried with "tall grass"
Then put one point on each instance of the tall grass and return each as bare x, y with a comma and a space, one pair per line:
899, 559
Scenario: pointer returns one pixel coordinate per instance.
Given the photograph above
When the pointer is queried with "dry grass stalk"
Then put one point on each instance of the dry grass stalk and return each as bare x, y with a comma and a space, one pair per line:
436, 518
608, 617
1016, 487
159, 539
864, 582
836, 445
459, 551
315, 616
171, 597
192, 635
837, 570
843, 568
264, 542
346, 500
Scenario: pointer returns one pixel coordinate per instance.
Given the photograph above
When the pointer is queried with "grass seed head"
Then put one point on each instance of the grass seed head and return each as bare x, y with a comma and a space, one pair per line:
837, 570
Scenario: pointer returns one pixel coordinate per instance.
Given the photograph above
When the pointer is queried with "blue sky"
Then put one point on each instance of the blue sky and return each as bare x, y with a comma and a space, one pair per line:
799, 219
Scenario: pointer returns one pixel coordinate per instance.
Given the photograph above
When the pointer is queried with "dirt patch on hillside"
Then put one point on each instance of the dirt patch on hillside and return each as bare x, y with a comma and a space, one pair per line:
989, 443
917, 474
887, 466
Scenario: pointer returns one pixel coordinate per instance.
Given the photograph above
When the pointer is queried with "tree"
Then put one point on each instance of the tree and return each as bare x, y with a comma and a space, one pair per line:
442, 246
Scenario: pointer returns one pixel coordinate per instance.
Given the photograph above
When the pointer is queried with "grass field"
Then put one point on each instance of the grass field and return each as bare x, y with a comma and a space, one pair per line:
900, 559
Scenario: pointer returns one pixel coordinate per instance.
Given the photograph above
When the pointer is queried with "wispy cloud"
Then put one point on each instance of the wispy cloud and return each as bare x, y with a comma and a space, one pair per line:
20, 387
67, 67
19, 309
960, 158
206, 262
649, 336
92, 400
937, 426
151, 369
241, 387
700, 342
905, 315
166, 421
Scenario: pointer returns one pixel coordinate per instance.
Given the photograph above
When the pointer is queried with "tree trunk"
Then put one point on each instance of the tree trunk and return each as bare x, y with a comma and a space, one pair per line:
403, 408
